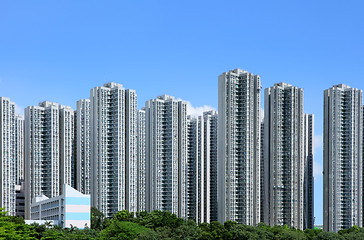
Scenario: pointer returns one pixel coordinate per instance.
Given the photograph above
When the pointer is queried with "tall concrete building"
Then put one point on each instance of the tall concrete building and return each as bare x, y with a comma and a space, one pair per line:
363, 161
19, 148
166, 155
308, 195
83, 146
239, 147
202, 167
210, 120
284, 155
49, 150
7, 155
196, 176
262, 186
131, 149
141, 166
41, 137
66, 146
113, 148
343, 164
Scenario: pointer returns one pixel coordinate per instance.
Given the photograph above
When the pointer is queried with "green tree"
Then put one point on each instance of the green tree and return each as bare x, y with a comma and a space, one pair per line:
328, 236
98, 219
124, 230
239, 231
15, 228
124, 215
215, 230
290, 234
158, 219
311, 233
230, 224
353, 233
53, 233
187, 230
162, 225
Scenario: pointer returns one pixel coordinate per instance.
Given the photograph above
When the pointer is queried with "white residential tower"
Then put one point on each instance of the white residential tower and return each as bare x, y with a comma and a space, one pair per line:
166, 155
343, 163
284, 157
239, 147
7, 155
113, 114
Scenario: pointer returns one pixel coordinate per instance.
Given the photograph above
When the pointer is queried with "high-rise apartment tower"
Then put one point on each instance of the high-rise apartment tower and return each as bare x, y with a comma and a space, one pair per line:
113, 114
202, 167
343, 164
239, 147
196, 176
141, 160
210, 120
83, 151
308, 195
7, 155
284, 155
19, 147
166, 155
49, 155
66, 146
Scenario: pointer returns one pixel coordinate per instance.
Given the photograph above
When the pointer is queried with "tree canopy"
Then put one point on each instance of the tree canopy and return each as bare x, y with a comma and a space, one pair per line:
162, 225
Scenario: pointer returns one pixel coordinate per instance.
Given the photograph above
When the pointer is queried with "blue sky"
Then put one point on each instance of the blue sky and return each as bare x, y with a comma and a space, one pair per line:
59, 50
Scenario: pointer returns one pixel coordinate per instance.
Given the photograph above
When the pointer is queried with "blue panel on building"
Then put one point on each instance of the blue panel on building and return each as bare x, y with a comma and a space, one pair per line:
78, 201
77, 216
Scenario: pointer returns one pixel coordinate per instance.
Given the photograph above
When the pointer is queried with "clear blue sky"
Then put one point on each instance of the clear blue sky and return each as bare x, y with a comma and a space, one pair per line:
59, 50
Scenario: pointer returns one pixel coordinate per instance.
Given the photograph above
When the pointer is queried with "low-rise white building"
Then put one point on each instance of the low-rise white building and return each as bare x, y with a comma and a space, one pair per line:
71, 209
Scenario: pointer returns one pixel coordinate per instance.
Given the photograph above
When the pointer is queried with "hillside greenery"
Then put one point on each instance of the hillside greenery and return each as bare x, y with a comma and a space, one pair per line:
161, 225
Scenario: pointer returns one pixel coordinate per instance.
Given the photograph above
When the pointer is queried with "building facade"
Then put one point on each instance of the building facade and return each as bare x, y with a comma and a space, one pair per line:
210, 120
113, 114
262, 174
141, 161
202, 167
308, 195
196, 177
363, 160
284, 155
66, 146
166, 155
70, 209
83, 151
7, 155
49, 155
19, 148
343, 171
20, 200
239, 147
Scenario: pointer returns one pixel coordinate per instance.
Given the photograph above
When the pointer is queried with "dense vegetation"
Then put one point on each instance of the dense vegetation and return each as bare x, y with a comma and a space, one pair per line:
161, 225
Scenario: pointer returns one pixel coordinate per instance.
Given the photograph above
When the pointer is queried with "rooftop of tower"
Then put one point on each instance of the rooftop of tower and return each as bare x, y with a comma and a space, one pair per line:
113, 85
211, 112
344, 86
65, 107
48, 104
283, 84
165, 97
238, 71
